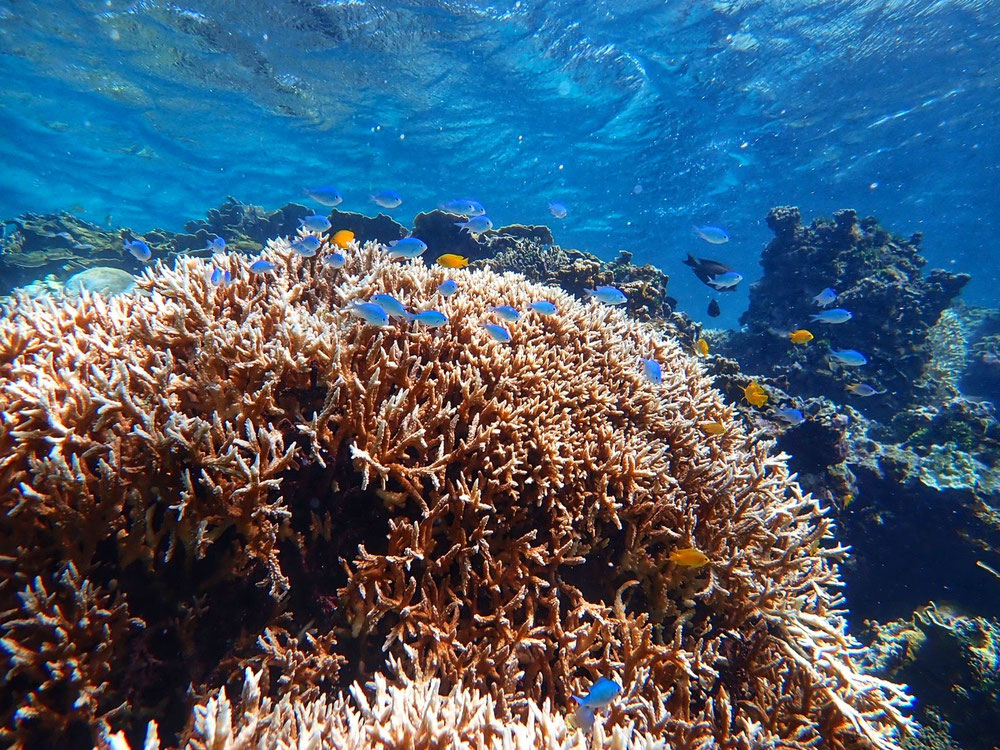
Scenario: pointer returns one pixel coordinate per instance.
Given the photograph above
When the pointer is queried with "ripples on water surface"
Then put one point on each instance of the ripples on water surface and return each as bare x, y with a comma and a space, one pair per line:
643, 117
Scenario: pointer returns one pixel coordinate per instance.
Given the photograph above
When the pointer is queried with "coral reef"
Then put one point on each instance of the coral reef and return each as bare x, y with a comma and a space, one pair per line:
36, 245
247, 476
952, 661
877, 276
573, 270
414, 713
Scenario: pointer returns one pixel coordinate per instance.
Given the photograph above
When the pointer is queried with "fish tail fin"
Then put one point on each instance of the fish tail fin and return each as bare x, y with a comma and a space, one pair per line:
691, 261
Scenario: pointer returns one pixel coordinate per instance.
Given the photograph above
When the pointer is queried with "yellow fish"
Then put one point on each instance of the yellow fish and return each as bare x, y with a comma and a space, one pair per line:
712, 428
450, 260
801, 336
343, 238
701, 347
755, 395
689, 557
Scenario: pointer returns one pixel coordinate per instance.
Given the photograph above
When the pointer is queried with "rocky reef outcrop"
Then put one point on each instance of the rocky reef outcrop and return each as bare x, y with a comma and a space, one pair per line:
877, 276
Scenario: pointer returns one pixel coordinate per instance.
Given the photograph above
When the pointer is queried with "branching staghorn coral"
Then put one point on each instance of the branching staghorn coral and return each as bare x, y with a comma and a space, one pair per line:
309, 495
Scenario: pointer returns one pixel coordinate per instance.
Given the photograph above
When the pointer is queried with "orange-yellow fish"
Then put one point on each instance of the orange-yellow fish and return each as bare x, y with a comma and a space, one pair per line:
450, 260
343, 238
701, 347
801, 336
755, 395
712, 428
689, 557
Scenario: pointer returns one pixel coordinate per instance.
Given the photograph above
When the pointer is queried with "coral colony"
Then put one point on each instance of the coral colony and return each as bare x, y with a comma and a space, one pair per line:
240, 515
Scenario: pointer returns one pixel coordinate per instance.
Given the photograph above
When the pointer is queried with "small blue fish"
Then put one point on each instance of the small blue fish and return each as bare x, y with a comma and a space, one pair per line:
328, 196
836, 315
335, 260
260, 266
387, 199
464, 207
393, 307
847, 357
728, 280
315, 223
791, 416
544, 307
370, 313
558, 209
448, 288
408, 247
430, 318
220, 277
497, 332
507, 312
306, 246
601, 694
652, 371
139, 250
712, 235
825, 298
609, 295
476, 224
214, 246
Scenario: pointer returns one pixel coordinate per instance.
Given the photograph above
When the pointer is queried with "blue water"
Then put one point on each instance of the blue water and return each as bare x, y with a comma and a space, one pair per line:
642, 117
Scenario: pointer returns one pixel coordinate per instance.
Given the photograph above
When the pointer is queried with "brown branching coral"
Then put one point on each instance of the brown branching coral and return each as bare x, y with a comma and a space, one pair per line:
497, 517
58, 652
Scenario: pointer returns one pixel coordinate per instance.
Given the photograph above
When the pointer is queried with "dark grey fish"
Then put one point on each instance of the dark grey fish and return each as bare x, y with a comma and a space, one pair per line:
713, 309
706, 269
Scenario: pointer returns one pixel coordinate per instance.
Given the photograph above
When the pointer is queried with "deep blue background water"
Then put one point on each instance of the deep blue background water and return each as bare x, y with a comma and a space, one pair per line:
643, 117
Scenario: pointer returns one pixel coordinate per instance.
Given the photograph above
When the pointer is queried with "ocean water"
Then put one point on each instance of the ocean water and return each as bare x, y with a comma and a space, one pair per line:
644, 117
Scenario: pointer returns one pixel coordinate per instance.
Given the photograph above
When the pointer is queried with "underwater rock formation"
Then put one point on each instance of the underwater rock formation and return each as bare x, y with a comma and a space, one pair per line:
952, 661
877, 276
575, 271
36, 245
245, 476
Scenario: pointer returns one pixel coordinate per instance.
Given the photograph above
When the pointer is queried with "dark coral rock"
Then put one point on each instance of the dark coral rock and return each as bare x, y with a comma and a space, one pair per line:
576, 271
440, 230
382, 228
878, 278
